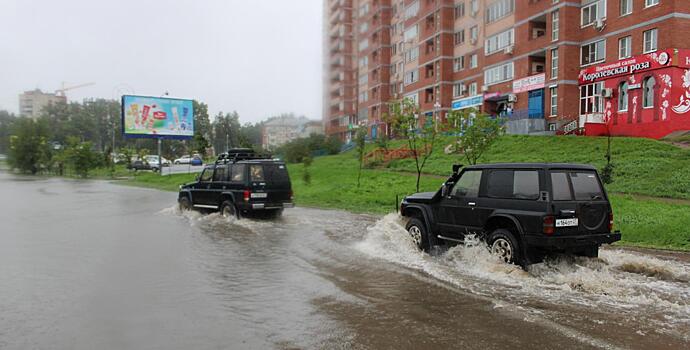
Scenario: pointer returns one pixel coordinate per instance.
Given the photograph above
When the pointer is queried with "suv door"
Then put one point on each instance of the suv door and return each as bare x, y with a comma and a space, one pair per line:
202, 189
579, 202
218, 184
456, 210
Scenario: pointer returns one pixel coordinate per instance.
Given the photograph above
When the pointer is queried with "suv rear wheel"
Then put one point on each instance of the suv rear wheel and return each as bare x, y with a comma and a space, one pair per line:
417, 231
503, 244
227, 210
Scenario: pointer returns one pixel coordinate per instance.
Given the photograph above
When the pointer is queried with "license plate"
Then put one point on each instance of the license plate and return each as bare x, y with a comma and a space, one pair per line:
259, 195
566, 222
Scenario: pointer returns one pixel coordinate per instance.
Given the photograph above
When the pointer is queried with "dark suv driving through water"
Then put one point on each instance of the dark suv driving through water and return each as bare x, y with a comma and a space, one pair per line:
523, 211
240, 183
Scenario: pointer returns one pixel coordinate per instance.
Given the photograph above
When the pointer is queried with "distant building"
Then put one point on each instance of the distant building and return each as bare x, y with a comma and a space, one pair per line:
280, 130
32, 102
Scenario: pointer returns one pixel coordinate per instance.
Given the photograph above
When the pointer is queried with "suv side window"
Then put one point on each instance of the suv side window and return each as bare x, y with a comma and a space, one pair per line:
238, 171
256, 172
513, 184
468, 185
219, 174
206, 175
586, 186
560, 187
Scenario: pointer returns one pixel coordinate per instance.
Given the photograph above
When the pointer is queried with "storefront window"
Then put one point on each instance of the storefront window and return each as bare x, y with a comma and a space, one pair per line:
648, 87
623, 97
590, 99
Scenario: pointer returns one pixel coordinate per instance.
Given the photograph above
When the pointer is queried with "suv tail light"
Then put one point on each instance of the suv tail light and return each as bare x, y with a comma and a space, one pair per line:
549, 227
610, 221
246, 195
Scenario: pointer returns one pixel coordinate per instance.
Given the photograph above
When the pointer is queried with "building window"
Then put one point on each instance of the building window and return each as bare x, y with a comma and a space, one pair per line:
474, 7
363, 27
457, 89
554, 63
411, 77
499, 41
473, 60
553, 93
410, 33
474, 34
498, 74
648, 91
554, 25
623, 97
499, 9
412, 10
458, 63
412, 54
460, 10
626, 7
364, 9
459, 37
624, 47
650, 40
472, 89
552, 127
590, 99
363, 44
648, 3
592, 12
593, 53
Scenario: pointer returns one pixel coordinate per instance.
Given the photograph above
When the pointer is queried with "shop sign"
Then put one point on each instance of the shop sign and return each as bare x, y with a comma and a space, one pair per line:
468, 102
533, 82
626, 67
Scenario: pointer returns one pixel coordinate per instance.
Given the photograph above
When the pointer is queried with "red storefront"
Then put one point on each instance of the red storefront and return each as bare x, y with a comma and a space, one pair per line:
643, 96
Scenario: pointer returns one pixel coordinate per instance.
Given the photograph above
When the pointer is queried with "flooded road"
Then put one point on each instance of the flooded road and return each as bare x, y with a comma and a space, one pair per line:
94, 265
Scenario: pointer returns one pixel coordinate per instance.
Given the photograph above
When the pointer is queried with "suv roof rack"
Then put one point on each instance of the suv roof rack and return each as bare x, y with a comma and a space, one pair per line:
236, 154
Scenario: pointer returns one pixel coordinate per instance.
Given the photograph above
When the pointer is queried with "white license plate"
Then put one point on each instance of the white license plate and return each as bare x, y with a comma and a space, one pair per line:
566, 222
259, 195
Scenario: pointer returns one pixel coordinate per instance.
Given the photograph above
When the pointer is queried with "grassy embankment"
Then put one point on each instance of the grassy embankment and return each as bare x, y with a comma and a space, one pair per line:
646, 170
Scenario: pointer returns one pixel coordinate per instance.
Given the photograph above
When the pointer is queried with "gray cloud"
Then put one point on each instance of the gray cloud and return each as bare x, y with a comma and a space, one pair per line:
257, 57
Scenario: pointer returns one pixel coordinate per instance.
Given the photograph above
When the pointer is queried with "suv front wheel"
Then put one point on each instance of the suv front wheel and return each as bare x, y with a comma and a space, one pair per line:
503, 244
417, 231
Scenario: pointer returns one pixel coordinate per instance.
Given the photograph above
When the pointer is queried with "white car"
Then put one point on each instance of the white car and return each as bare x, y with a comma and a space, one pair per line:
183, 160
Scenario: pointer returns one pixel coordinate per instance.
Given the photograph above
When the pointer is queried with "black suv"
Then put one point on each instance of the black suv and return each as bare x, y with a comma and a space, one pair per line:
523, 211
239, 183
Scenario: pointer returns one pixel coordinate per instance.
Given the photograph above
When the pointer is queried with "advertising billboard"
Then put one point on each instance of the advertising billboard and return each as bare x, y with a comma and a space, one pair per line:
157, 117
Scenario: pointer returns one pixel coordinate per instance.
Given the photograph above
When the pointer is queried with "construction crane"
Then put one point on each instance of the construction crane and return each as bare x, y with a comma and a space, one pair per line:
61, 92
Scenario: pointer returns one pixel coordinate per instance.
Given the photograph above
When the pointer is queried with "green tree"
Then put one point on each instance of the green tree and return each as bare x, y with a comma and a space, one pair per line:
7, 119
80, 156
474, 132
404, 120
306, 176
360, 143
202, 122
29, 148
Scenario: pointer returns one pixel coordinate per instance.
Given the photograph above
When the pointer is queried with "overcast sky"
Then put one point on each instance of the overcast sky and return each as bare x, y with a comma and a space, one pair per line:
260, 58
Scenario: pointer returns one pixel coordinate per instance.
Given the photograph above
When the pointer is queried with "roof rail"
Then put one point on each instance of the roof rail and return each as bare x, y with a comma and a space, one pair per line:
236, 154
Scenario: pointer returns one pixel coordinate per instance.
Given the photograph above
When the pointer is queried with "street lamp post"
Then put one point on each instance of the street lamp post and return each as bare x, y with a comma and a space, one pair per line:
437, 107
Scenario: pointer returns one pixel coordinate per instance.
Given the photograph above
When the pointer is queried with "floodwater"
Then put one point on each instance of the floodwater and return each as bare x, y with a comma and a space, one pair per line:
94, 265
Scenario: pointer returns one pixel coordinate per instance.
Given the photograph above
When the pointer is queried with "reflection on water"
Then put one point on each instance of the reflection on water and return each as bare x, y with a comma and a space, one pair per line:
95, 265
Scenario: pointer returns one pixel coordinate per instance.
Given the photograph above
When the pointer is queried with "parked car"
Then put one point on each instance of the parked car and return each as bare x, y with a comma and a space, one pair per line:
240, 183
196, 161
153, 161
186, 159
141, 164
523, 211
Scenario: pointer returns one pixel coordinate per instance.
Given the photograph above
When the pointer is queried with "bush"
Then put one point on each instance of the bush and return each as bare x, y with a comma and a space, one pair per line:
80, 156
29, 148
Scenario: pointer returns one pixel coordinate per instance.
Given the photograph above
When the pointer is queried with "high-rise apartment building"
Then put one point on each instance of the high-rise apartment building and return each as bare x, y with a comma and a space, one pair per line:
547, 66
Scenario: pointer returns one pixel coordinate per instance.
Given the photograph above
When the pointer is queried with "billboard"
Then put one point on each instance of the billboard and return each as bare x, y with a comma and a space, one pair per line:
157, 117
